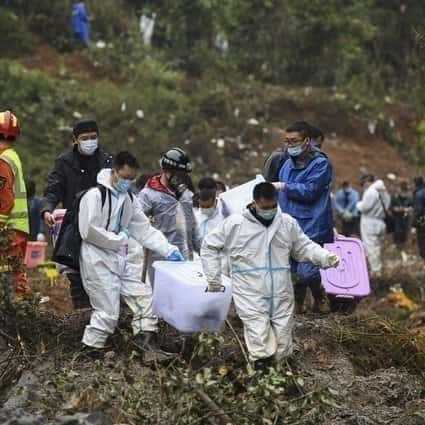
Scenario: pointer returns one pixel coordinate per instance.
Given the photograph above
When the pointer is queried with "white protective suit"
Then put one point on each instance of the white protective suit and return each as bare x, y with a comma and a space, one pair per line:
260, 270
372, 224
107, 274
206, 223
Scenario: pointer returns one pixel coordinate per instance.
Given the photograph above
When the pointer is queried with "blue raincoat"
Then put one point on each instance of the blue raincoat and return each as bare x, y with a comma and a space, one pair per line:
80, 22
346, 201
306, 197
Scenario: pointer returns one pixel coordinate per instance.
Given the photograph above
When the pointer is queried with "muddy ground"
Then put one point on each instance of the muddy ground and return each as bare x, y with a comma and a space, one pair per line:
366, 368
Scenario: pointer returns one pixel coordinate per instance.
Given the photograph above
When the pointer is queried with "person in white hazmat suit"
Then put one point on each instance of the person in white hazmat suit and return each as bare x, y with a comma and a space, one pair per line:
260, 242
373, 206
106, 272
210, 212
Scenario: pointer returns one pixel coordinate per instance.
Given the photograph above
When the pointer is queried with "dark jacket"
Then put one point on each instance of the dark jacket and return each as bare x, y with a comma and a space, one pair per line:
419, 205
73, 173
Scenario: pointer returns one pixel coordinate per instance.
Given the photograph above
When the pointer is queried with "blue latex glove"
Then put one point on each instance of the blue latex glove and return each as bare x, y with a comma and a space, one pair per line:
175, 256
124, 233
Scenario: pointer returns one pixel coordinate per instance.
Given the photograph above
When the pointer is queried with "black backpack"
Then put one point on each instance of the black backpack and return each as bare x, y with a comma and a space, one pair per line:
273, 164
68, 244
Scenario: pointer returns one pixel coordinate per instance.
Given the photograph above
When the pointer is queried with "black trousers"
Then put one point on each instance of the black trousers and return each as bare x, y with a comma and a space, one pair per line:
79, 296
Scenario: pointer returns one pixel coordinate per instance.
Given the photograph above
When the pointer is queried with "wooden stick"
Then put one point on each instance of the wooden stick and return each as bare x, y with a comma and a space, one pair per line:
221, 415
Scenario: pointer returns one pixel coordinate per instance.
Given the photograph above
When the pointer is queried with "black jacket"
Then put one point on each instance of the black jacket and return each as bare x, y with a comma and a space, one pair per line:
72, 173
419, 204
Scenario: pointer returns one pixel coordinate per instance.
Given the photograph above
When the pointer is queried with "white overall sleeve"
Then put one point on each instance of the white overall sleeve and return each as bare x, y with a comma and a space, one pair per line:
144, 233
91, 223
304, 249
368, 202
211, 250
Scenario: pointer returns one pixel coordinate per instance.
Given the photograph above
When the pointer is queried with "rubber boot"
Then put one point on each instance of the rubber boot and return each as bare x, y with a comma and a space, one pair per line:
261, 365
300, 292
147, 343
319, 305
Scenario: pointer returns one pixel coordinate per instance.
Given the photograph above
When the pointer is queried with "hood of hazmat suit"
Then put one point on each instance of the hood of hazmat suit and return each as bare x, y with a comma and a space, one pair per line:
260, 270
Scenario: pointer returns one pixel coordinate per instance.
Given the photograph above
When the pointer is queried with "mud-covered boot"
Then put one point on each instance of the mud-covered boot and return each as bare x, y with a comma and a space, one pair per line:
92, 353
262, 365
148, 345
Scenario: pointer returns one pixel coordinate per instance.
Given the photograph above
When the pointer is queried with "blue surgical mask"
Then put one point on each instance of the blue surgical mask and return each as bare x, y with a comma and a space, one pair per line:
266, 214
123, 185
209, 212
88, 147
296, 150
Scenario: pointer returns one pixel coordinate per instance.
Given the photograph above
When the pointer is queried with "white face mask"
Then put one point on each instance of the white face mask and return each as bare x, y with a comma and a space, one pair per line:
88, 147
267, 214
208, 211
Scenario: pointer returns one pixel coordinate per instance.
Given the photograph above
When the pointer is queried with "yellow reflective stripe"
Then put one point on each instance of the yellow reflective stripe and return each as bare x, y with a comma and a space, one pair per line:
18, 215
18, 219
3, 217
2, 118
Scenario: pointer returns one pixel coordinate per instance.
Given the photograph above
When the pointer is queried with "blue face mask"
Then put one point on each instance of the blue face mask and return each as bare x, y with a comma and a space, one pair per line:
296, 150
123, 185
267, 214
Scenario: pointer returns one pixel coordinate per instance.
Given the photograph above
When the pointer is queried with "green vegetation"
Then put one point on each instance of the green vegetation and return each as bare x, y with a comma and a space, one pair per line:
361, 58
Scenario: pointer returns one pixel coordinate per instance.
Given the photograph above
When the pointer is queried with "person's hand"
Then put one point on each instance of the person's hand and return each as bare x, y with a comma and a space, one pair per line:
279, 186
215, 287
333, 260
49, 219
347, 215
124, 234
175, 256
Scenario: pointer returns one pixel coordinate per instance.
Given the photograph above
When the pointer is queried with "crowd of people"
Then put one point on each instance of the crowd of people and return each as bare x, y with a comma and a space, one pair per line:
119, 225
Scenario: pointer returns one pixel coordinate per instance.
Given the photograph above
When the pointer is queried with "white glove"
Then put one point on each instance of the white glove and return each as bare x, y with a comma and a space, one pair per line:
279, 186
332, 260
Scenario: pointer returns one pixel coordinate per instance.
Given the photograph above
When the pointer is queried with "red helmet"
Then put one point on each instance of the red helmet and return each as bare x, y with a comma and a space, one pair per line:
9, 125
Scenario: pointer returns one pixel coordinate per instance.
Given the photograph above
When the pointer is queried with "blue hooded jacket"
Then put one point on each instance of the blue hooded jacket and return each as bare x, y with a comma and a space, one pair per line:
306, 196
80, 22
346, 200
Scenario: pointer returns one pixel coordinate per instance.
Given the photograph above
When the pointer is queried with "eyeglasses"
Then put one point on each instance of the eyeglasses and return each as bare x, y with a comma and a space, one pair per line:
292, 142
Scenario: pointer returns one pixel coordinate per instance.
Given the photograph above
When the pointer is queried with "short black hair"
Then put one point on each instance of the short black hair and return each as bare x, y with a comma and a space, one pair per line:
207, 183
221, 186
264, 190
316, 133
367, 178
207, 194
125, 158
85, 126
302, 127
345, 183
419, 181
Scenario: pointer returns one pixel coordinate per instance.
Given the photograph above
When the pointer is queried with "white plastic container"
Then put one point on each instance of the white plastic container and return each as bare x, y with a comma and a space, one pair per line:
239, 197
180, 299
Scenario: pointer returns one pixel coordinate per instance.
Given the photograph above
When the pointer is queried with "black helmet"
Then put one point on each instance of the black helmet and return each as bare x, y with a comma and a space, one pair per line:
176, 159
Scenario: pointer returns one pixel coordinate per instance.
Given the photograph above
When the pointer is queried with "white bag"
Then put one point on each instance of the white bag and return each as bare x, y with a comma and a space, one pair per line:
179, 297
239, 197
